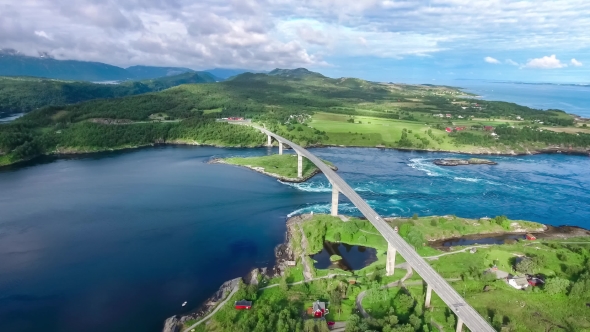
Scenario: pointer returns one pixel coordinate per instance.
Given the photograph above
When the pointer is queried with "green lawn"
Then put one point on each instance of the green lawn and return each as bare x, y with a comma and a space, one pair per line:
283, 165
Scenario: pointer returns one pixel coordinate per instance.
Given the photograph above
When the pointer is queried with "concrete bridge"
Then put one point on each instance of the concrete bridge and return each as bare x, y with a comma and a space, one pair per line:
465, 313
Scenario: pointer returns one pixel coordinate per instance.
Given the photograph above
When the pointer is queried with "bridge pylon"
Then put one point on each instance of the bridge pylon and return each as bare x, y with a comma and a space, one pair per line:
390, 265
459, 325
299, 165
428, 296
335, 194
280, 147
269, 140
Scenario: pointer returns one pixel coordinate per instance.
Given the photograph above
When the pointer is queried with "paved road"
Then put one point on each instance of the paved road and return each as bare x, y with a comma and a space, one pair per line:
471, 318
236, 287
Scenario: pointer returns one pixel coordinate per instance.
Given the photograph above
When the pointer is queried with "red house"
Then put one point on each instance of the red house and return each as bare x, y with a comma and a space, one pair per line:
488, 128
530, 237
243, 304
319, 309
459, 128
448, 130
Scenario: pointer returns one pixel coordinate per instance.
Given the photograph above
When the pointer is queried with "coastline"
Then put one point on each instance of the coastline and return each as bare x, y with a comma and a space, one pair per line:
74, 151
273, 175
285, 252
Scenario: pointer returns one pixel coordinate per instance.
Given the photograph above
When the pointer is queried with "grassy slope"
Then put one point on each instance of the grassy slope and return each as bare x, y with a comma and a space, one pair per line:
272, 100
283, 165
436, 228
374, 131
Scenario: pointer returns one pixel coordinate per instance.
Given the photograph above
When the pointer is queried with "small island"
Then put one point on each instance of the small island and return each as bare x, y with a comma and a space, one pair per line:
279, 166
460, 162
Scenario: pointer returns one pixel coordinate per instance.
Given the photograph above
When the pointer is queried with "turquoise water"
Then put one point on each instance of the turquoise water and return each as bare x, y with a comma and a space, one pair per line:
117, 241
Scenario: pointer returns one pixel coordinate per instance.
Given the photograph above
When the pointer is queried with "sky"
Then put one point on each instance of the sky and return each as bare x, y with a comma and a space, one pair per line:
410, 41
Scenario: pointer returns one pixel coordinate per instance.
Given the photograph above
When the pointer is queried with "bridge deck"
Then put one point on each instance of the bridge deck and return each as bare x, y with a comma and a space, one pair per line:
470, 317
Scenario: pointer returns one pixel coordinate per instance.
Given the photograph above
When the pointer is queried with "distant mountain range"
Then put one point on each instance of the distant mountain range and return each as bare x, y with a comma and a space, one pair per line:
13, 63
23, 94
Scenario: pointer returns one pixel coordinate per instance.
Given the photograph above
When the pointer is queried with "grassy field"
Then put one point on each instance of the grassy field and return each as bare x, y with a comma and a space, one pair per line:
374, 131
437, 227
284, 165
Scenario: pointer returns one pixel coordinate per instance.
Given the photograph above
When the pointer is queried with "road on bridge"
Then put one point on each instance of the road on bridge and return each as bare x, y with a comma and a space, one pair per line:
468, 315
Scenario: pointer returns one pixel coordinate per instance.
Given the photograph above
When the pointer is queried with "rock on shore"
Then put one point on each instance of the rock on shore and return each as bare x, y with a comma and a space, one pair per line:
458, 162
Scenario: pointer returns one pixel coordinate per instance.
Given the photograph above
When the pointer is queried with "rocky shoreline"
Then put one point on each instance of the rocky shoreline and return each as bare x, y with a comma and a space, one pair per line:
283, 255
458, 162
551, 150
274, 175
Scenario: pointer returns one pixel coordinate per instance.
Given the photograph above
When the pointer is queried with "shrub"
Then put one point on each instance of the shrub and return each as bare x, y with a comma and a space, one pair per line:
556, 285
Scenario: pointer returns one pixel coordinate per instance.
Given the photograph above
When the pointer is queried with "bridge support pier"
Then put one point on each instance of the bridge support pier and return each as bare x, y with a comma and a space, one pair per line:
459, 325
390, 265
428, 296
299, 165
335, 194
280, 147
269, 140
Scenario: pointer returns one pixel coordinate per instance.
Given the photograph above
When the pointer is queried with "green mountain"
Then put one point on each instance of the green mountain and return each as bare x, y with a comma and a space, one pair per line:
225, 73
305, 107
149, 72
23, 94
295, 73
15, 64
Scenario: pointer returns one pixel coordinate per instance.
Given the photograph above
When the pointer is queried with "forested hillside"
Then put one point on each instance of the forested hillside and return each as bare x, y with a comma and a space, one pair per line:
303, 106
23, 94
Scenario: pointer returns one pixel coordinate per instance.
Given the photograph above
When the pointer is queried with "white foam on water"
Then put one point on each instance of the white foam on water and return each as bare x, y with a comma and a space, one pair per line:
321, 187
316, 187
424, 165
467, 179
344, 208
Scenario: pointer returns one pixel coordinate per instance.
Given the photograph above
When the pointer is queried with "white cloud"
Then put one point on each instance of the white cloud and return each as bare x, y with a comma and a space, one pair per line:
511, 62
576, 63
236, 33
489, 59
42, 34
546, 62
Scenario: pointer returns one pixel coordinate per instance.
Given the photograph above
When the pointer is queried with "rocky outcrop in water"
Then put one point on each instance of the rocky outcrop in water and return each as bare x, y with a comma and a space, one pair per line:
459, 162
172, 324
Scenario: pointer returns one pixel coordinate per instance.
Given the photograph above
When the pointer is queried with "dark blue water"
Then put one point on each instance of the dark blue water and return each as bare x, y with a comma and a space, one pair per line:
9, 117
353, 257
573, 99
116, 242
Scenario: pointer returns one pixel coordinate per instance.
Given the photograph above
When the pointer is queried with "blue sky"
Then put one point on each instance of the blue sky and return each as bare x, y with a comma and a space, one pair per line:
382, 40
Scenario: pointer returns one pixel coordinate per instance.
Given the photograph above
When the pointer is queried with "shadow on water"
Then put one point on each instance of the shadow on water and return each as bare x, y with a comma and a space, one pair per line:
353, 257
470, 240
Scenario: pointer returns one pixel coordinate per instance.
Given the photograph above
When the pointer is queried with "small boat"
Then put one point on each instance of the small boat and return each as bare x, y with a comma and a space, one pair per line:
184, 303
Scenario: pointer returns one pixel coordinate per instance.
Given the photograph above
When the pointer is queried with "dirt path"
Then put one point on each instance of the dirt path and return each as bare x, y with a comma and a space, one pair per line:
306, 269
305, 281
458, 251
236, 286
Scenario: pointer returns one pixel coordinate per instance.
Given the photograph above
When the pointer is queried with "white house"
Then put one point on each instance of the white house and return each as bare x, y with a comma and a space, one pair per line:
518, 282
